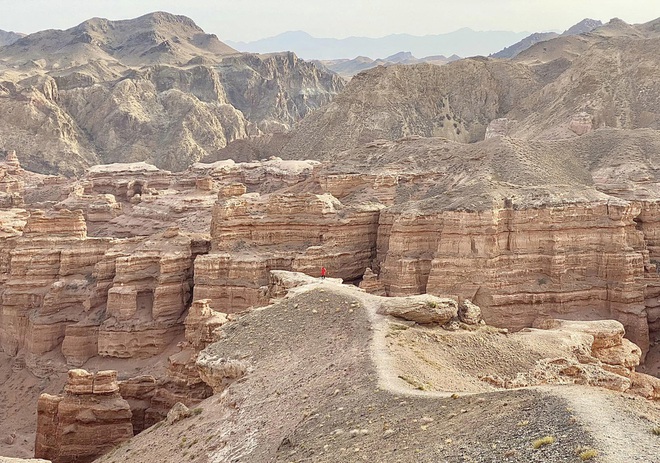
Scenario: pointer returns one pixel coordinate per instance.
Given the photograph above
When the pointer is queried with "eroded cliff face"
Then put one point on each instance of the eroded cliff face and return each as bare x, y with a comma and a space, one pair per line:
518, 251
582, 261
90, 419
252, 235
133, 265
93, 296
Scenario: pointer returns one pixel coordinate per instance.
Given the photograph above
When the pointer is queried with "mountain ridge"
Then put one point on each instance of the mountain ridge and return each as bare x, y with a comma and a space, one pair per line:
9, 37
462, 42
583, 27
155, 88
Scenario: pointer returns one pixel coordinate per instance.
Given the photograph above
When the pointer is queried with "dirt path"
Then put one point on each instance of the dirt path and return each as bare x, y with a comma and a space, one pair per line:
622, 431
623, 434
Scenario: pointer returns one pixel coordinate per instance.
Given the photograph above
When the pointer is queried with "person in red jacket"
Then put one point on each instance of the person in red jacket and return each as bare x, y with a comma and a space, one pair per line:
323, 272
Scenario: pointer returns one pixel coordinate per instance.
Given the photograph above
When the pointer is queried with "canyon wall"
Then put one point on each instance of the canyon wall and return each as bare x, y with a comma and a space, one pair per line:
120, 298
577, 260
253, 234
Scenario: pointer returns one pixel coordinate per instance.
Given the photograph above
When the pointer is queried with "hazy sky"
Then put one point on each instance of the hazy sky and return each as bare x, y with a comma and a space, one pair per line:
253, 19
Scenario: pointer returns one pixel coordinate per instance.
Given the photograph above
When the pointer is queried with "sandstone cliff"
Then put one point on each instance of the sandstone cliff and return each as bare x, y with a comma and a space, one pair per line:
87, 421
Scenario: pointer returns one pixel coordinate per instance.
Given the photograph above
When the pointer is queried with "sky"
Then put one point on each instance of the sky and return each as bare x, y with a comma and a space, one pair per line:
248, 20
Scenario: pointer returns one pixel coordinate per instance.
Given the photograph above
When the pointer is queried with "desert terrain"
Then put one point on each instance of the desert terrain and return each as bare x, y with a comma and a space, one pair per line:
490, 228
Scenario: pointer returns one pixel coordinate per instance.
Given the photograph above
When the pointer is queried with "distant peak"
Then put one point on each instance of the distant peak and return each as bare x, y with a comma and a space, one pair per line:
584, 26
617, 22
162, 17
402, 55
155, 19
302, 34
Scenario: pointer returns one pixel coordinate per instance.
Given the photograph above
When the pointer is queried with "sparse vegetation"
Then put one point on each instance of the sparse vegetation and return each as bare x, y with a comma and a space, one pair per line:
546, 440
587, 453
432, 304
656, 430
196, 411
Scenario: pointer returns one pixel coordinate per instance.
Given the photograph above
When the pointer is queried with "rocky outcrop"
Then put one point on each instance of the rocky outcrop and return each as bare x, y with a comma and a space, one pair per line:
424, 309
201, 322
90, 419
371, 284
295, 232
469, 313
602, 357
581, 123
220, 372
263, 176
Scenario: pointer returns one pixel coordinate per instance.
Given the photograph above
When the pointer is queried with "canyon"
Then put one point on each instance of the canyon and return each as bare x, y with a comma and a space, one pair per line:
489, 238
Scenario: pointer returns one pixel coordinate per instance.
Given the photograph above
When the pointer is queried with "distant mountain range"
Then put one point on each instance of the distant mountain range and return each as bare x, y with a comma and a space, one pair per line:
463, 42
584, 26
348, 68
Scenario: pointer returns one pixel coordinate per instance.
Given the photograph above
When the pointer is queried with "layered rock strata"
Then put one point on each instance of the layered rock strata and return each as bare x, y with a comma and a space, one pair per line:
89, 419
92, 296
48, 283
575, 260
253, 234
146, 288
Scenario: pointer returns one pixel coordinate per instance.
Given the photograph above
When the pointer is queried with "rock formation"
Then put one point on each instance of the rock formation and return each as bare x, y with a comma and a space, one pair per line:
154, 88
87, 421
296, 232
484, 257
119, 299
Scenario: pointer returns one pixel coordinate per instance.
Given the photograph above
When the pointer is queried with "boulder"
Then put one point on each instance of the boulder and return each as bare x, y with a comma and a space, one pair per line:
423, 309
469, 313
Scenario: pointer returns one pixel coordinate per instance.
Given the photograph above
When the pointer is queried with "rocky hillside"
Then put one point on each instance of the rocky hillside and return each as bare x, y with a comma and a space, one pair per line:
584, 26
7, 38
517, 48
348, 68
155, 88
561, 88
456, 101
